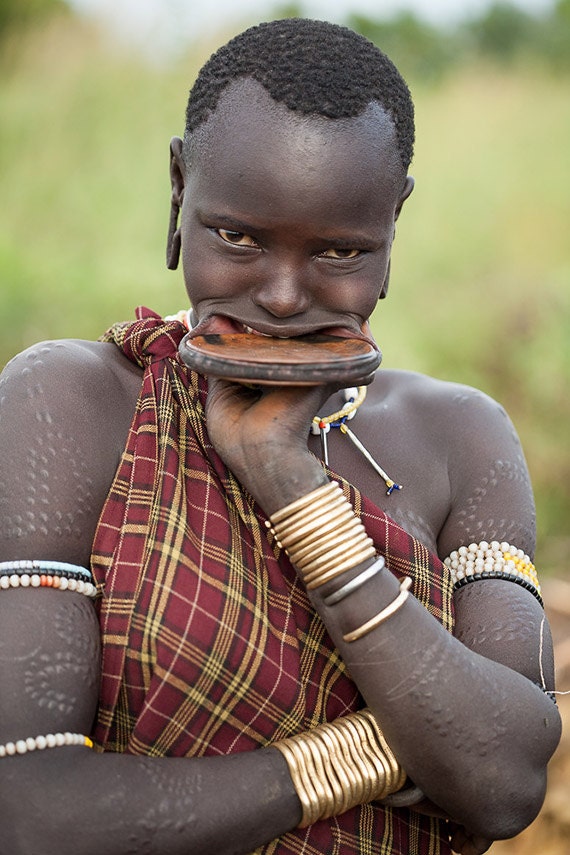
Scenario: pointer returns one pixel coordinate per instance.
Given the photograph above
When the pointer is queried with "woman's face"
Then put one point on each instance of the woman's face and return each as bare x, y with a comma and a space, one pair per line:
288, 221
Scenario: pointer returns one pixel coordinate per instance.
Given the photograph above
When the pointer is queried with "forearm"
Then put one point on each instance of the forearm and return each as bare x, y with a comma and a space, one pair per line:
422, 684
119, 804
452, 716
473, 734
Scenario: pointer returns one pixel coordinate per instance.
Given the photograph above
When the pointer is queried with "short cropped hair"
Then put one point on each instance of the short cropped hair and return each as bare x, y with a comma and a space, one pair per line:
314, 68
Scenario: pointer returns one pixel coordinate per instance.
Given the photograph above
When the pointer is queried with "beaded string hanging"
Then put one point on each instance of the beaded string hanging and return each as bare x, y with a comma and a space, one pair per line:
321, 425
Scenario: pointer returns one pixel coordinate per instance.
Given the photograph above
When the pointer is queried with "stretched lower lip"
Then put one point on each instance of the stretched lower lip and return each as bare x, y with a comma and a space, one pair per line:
222, 324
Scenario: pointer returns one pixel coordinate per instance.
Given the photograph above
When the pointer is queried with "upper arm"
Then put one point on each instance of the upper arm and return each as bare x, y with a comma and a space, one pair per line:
61, 440
492, 500
49, 663
504, 622
60, 448
491, 493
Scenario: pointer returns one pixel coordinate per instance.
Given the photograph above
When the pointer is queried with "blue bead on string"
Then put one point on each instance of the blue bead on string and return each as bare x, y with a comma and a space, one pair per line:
322, 425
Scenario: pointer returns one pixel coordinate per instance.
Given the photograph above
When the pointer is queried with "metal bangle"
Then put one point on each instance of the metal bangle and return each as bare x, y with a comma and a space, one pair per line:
383, 615
355, 558
356, 582
303, 502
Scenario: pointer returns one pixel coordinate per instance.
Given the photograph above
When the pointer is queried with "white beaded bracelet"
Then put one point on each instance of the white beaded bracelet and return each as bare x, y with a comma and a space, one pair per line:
492, 561
39, 743
44, 581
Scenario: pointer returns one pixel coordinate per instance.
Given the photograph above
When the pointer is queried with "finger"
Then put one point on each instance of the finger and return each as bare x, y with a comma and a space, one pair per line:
458, 839
293, 406
468, 844
479, 845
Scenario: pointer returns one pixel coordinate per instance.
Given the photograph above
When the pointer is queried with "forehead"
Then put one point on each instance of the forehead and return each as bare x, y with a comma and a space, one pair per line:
252, 138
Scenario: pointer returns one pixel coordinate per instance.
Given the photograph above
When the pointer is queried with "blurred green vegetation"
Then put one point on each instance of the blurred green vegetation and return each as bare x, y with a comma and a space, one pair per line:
502, 32
480, 287
16, 15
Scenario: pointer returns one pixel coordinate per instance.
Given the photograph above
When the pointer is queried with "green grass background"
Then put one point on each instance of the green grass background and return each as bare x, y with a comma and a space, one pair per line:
480, 289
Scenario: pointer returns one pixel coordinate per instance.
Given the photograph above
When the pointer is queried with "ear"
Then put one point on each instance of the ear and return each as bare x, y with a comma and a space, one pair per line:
384, 289
408, 187
177, 177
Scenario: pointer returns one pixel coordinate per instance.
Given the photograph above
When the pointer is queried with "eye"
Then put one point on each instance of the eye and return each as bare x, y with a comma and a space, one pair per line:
236, 238
332, 252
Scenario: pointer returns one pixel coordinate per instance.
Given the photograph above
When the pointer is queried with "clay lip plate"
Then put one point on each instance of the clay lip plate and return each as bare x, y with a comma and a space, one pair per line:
305, 360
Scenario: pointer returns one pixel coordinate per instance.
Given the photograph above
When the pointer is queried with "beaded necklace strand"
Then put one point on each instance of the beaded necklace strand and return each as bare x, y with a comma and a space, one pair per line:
321, 425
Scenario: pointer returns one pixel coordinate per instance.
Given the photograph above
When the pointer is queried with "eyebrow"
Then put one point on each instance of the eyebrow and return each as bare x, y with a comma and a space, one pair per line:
227, 219
356, 241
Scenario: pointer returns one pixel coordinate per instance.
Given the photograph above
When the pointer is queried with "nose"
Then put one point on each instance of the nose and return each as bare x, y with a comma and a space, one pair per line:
283, 294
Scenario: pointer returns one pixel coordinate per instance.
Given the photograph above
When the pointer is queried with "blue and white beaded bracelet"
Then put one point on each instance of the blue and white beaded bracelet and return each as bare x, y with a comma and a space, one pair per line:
60, 575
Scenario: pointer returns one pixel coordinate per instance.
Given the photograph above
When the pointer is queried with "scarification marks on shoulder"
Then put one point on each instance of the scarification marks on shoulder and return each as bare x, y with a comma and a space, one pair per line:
478, 526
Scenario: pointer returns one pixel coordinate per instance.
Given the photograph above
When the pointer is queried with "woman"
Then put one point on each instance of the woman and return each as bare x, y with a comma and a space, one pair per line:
274, 663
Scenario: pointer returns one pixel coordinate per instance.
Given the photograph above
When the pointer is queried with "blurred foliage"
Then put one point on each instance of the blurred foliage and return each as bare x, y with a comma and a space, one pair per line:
418, 49
480, 288
18, 14
503, 33
508, 34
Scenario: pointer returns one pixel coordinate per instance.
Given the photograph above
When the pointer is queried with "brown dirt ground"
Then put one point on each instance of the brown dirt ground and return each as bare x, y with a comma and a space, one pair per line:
549, 834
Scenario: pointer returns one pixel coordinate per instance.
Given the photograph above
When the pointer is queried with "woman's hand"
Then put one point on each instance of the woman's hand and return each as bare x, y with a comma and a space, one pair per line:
261, 434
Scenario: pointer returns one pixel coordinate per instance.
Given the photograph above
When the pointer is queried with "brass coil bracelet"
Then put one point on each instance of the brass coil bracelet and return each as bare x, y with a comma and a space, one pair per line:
322, 535
340, 765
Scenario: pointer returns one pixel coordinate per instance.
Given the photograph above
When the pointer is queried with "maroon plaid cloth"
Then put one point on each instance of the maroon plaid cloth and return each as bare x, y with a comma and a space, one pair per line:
210, 644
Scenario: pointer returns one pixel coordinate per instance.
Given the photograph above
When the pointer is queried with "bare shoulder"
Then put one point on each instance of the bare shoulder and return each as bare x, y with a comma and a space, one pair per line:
439, 398
468, 418
473, 440
453, 414
86, 385
65, 411
91, 362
